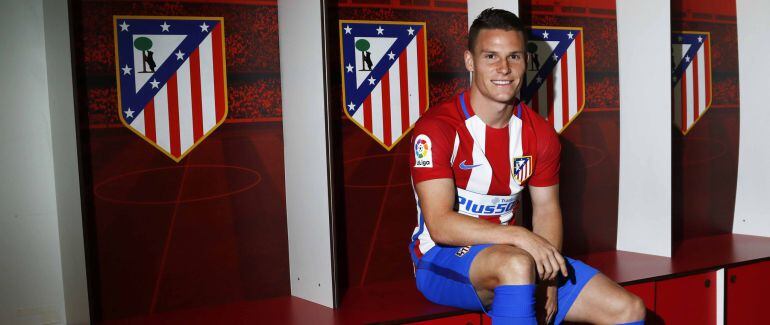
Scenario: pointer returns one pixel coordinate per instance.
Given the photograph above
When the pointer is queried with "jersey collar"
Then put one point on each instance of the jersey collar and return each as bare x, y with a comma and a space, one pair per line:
467, 110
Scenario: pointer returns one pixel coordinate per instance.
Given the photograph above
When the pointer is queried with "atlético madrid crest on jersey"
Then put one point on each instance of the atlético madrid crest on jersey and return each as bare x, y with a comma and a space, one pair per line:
690, 77
522, 168
172, 85
555, 75
384, 76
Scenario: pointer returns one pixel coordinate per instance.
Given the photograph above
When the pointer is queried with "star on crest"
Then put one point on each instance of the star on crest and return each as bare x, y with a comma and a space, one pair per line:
687, 58
126, 70
124, 26
379, 30
165, 27
371, 80
700, 39
154, 83
545, 34
410, 30
179, 55
570, 35
204, 27
351, 107
349, 68
555, 57
539, 79
392, 55
347, 29
129, 113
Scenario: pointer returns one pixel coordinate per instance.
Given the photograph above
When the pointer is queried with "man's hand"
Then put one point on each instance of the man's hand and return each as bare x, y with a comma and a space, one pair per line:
547, 258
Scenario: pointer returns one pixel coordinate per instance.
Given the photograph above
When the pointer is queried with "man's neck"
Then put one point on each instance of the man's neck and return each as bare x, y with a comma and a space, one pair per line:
494, 114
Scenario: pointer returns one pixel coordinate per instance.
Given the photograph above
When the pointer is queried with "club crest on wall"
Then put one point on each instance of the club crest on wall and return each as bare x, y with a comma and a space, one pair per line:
172, 84
384, 76
690, 77
555, 85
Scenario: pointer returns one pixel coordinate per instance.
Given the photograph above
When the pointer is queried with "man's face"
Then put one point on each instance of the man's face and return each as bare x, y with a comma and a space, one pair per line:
498, 63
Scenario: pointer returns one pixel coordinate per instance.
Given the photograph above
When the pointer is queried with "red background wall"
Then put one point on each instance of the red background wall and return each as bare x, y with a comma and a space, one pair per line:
590, 156
211, 229
705, 161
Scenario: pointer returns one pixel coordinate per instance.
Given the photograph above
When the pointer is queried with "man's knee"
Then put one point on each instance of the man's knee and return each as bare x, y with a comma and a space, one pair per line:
514, 266
629, 309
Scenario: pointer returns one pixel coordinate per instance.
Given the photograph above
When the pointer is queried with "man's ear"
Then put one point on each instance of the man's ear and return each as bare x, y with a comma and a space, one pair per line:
468, 57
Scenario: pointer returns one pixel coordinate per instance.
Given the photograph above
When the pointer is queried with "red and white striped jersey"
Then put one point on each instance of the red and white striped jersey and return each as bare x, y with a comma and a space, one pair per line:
489, 166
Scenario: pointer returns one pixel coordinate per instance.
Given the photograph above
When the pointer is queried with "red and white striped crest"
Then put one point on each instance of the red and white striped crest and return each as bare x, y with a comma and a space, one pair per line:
521, 168
172, 84
691, 77
384, 76
555, 85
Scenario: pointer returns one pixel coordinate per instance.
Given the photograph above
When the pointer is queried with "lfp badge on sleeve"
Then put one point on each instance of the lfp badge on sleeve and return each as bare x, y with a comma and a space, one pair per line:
384, 76
172, 84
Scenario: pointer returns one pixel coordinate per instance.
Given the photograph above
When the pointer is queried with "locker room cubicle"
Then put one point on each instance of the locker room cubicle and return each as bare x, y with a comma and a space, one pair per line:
290, 212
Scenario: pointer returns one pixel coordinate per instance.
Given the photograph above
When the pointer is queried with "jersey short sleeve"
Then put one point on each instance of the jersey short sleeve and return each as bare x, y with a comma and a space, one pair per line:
432, 144
548, 155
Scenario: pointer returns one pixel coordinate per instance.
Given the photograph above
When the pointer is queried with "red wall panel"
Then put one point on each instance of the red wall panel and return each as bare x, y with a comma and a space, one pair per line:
746, 293
164, 236
687, 300
705, 160
646, 291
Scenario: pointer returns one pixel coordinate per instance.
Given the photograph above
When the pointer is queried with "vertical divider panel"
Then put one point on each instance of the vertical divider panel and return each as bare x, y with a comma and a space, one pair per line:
644, 209
475, 7
308, 211
56, 20
751, 207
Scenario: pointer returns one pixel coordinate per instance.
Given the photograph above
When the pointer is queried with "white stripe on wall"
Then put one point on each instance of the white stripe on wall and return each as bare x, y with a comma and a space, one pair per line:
186, 138
414, 82
572, 78
138, 123
358, 116
161, 119
702, 80
395, 101
557, 100
690, 95
207, 84
377, 111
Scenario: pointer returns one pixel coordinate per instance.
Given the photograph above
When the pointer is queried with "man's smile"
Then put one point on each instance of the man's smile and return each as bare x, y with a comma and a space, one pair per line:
502, 82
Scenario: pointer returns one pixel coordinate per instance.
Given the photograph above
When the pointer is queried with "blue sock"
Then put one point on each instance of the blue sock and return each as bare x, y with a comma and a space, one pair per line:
514, 304
639, 322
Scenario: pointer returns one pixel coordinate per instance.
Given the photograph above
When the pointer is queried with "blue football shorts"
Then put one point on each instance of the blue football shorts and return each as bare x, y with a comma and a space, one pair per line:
443, 277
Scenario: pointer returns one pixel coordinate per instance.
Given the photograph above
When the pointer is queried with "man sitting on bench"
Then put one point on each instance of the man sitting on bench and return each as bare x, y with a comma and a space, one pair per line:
473, 155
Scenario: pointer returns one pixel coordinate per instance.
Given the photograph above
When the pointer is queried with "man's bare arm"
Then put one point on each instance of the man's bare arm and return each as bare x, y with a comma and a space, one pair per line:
546, 217
437, 197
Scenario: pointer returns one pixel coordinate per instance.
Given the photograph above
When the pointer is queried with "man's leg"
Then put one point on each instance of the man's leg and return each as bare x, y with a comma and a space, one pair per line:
602, 301
504, 278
